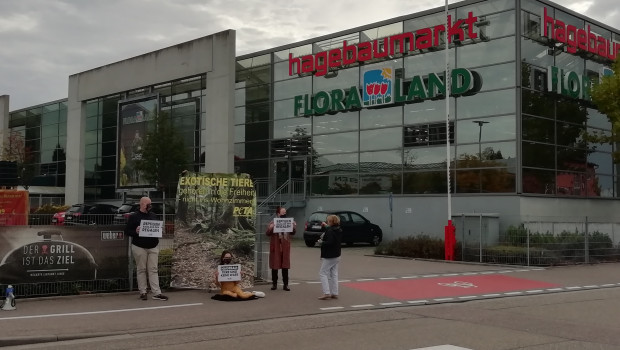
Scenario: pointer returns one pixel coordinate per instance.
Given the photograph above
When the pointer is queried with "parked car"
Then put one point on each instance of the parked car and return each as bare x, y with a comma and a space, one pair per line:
90, 214
122, 213
355, 228
58, 218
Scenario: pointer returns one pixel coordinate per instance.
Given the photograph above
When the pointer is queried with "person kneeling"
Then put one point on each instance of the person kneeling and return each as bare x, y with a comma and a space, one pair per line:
230, 290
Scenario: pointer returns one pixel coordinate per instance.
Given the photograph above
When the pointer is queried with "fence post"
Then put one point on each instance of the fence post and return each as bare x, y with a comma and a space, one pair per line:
527, 232
586, 244
480, 235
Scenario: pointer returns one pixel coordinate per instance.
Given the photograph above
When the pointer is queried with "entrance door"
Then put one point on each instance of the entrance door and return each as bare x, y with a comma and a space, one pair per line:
289, 169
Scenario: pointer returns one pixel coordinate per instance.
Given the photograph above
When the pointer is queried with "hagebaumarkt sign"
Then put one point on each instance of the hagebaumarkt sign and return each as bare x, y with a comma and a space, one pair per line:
381, 88
320, 63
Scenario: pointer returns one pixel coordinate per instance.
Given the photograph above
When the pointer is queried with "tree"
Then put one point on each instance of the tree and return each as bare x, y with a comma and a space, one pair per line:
15, 150
164, 155
606, 96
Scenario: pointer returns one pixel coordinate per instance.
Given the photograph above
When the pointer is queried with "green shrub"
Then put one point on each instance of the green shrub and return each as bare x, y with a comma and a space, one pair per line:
422, 246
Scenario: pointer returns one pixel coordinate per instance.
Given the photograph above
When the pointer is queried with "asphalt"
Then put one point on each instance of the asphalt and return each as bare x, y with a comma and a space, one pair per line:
57, 319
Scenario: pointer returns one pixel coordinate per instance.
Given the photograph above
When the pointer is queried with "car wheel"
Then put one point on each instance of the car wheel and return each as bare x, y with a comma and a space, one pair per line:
375, 241
309, 243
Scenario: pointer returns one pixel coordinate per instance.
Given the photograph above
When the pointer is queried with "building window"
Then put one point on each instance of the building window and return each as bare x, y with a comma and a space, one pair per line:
426, 134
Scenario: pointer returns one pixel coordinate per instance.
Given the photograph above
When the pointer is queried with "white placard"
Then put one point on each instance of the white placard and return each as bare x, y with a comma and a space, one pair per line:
151, 228
282, 225
228, 273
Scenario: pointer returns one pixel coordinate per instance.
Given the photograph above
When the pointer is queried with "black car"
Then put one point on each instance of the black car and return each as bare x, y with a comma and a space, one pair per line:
123, 212
90, 214
355, 228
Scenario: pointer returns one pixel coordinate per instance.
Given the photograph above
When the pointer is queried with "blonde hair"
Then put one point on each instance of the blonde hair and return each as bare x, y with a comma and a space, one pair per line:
333, 220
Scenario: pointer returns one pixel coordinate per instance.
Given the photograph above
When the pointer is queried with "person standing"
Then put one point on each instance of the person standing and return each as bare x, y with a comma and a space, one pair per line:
280, 251
331, 242
145, 251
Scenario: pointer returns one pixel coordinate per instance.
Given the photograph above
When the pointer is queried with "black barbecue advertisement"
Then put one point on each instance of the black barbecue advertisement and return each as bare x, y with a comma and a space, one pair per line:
62, 253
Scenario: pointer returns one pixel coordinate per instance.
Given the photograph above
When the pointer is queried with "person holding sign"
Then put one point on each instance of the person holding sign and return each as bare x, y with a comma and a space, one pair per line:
144, 248
330, 242
228, 276
279, 231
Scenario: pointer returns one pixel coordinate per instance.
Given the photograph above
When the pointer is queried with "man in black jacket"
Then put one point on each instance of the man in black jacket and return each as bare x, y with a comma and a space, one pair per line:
145, 251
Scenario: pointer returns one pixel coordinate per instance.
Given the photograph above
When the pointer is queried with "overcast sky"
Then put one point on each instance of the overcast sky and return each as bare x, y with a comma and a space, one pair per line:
45, 41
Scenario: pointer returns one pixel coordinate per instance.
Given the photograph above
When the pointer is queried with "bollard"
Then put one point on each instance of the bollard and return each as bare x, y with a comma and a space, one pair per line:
9, 301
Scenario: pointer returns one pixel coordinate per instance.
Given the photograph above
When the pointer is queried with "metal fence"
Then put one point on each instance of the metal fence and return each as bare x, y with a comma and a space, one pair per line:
539, 241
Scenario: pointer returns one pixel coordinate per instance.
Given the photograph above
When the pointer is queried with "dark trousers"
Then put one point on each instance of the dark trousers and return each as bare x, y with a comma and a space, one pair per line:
274, 277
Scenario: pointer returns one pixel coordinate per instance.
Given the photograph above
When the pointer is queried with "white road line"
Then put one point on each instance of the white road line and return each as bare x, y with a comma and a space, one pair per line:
410, 277
314, 282
513, 293
491, 295
608, 285
450, 274
392, 303
443, 347
343, 281
332, 308
417, 301
443, 299
365, 279
469, 297
591, 286
470, 273
363, 305
487, 272
534, 291
507, 271
554, 289
430, 276
387, 278
98, 312
574, 287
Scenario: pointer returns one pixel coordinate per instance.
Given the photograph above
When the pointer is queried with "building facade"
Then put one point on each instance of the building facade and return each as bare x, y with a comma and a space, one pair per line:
359, 117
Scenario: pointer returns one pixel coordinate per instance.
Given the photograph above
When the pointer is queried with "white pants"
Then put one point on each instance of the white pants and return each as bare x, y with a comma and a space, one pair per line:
329, 275
146, 263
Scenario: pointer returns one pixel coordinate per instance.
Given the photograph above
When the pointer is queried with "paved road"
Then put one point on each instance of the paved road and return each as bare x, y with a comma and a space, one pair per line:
385, 303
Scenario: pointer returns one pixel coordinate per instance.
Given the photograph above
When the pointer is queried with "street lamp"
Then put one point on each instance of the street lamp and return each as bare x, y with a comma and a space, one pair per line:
480, 124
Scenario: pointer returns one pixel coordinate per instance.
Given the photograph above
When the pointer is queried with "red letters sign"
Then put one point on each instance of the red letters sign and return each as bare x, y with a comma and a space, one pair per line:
577, 38
13, 207
421, 39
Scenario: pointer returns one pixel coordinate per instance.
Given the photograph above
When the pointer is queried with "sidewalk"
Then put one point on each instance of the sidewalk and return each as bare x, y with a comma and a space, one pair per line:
77, 317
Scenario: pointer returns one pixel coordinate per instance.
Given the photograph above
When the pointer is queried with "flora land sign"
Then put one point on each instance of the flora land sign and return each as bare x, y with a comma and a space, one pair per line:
380, 88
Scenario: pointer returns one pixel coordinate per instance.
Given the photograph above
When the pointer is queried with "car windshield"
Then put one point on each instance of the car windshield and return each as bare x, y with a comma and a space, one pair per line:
125, 208
318, 217
74, 209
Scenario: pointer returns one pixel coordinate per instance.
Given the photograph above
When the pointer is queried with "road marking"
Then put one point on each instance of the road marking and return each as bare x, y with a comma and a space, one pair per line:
443, 299
608, 285
443, 347
417, 301
574, 287
513, 293
332, 308
392, 303
430, 275
534, 291
591, 286
365, 279
555, 289
387, 278
469, 297
99, 312
363, 305
491, 295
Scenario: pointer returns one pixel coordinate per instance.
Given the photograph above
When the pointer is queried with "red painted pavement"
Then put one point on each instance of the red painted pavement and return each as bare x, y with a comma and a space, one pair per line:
440, 287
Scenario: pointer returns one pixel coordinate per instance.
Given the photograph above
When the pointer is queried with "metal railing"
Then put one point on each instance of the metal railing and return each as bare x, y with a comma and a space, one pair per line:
542, 241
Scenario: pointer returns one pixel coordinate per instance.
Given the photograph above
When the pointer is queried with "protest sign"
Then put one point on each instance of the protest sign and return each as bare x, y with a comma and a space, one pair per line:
228, 273
151, 228
283, 225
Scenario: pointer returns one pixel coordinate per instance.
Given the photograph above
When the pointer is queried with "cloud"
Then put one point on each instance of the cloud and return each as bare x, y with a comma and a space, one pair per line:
46, 41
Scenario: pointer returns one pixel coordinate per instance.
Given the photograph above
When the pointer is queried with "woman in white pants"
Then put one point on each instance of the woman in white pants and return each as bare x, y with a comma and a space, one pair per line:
331, 242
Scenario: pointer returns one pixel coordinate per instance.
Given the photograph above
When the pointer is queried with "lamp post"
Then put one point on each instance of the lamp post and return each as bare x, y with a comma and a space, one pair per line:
480, 124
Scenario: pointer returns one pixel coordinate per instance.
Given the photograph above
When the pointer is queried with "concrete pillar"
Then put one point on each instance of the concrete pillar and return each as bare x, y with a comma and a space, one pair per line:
218, 137
76, 120
4, 121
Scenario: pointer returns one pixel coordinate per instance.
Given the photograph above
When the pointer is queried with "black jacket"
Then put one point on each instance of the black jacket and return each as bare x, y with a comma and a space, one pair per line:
130, 230
332, 242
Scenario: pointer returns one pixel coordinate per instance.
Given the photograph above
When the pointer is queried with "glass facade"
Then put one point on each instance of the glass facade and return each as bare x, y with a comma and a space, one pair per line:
43, 132
511, 135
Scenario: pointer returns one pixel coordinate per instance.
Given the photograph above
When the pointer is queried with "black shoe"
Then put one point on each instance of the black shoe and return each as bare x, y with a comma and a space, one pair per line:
143, 296
274, 287
286, 288
160, 297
